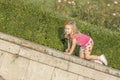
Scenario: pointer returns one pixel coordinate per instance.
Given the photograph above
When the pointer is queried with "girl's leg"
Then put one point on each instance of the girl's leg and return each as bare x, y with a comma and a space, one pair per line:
88, 56
81, 53
91, 57
86, 53
88, 50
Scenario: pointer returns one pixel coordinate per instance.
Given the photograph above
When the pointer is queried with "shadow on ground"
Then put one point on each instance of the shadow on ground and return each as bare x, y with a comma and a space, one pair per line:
1, 78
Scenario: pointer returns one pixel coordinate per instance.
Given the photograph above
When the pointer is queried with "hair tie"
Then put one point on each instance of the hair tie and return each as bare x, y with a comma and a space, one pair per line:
65, 23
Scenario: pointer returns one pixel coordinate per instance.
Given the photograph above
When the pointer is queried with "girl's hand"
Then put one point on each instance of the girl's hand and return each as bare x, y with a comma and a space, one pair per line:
67, 50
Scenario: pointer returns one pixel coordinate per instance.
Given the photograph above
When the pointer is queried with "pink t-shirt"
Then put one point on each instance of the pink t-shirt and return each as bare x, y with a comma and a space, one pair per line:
81, 39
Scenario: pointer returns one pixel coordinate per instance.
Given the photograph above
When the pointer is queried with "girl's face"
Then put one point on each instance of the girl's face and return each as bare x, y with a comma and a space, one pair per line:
68, 29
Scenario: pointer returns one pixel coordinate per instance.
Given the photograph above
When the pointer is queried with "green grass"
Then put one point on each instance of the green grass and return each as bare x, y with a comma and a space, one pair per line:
36, 22
99, 12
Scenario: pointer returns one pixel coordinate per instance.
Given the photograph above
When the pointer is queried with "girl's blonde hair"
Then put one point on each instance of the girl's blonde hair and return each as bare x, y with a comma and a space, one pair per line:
73, 26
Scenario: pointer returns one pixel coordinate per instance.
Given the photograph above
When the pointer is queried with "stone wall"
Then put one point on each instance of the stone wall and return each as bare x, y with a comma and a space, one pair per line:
23, 60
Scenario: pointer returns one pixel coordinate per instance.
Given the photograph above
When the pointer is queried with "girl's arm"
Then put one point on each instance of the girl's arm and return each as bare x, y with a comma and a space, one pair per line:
73, 46
68, 45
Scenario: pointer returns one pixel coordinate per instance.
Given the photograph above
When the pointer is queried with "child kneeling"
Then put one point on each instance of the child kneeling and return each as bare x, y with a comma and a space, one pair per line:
85, 41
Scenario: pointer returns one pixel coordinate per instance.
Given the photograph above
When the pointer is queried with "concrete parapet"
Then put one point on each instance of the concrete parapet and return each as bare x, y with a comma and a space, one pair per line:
24, 60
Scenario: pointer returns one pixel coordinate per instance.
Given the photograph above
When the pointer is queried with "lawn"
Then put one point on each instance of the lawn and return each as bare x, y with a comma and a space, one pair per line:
38, 22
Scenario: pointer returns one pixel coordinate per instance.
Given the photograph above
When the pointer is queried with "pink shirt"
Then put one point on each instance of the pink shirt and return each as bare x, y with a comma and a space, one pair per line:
81, 39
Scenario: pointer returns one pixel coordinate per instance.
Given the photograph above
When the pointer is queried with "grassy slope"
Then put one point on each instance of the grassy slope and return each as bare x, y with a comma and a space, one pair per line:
31, 22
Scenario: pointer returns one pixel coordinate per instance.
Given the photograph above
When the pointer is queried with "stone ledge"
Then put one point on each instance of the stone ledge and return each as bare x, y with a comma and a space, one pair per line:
60, 54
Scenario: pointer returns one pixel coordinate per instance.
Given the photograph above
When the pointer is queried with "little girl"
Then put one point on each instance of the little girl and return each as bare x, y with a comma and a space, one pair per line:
85, 41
